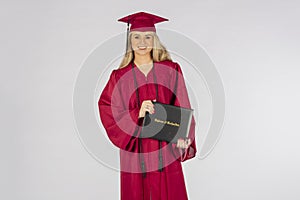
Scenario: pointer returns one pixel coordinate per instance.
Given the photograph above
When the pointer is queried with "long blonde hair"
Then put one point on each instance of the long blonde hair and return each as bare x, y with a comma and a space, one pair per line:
158, 53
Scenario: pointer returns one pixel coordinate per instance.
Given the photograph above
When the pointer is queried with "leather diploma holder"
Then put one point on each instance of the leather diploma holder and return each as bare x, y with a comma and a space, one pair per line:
168, 123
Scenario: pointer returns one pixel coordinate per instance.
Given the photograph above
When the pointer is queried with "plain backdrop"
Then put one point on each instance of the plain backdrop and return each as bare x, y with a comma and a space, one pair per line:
254, 45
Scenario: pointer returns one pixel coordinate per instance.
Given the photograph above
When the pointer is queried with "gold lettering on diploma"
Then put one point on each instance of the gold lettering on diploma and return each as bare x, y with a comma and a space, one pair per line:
166, 122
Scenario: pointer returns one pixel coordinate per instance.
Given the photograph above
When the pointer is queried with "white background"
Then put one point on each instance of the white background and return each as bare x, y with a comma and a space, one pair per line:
254, 44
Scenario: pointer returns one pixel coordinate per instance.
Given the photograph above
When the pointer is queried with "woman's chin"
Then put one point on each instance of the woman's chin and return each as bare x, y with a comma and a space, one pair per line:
142, 51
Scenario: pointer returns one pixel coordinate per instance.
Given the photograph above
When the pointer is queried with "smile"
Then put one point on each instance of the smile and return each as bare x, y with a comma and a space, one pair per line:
142, 47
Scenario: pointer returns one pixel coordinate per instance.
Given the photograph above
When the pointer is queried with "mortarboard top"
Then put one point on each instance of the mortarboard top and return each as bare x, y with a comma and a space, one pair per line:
142, 21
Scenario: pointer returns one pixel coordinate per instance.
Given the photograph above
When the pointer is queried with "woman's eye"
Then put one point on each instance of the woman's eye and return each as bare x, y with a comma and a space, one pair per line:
136, 37
148, 37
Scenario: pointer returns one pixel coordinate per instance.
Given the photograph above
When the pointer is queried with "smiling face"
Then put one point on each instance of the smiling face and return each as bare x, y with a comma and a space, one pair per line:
142, 42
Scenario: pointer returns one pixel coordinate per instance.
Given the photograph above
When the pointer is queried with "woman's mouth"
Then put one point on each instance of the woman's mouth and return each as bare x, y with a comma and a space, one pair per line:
142, 47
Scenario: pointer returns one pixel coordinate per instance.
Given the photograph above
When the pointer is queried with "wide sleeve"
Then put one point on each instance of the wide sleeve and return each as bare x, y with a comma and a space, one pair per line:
181, 99
119, 122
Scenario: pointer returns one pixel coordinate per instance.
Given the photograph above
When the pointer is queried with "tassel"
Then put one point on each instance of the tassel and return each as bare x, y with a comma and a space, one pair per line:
127, 34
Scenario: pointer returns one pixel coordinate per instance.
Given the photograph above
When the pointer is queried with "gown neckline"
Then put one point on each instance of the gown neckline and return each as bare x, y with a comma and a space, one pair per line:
140, 71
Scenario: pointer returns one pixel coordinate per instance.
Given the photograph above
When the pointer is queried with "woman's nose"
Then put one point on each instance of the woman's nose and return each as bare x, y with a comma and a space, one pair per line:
143, 41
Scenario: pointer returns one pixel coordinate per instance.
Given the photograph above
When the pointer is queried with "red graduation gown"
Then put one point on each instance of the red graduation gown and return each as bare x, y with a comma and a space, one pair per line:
119, 111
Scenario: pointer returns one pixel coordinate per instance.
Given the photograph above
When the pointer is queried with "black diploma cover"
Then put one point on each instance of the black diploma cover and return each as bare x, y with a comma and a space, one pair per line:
168, 123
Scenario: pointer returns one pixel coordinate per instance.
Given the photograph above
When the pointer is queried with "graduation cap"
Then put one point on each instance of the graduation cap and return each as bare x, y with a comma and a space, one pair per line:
141, 21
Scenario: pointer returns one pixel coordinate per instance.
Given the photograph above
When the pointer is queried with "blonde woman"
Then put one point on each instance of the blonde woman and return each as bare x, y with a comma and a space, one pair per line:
150, 168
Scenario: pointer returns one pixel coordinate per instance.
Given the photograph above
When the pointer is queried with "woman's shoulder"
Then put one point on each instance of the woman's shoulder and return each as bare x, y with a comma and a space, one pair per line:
121, 71
169, 63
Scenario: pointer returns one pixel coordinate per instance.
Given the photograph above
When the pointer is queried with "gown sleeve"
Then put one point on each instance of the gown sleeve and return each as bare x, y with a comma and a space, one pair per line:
182, 100
120, 123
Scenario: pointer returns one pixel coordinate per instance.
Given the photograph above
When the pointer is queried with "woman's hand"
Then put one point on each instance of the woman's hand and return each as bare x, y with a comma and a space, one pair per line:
147, 106
183, 143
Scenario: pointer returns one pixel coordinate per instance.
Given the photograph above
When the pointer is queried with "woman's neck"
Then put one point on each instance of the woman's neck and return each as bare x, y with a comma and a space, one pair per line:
142, 60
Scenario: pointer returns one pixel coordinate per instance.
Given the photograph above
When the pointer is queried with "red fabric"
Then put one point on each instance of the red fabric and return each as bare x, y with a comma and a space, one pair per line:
119, 110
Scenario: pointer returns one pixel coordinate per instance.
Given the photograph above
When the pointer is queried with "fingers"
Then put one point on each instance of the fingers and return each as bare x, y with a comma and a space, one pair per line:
183, 144
147, 106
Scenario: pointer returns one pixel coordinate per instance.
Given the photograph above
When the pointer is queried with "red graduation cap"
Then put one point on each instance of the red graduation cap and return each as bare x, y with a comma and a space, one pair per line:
142, 21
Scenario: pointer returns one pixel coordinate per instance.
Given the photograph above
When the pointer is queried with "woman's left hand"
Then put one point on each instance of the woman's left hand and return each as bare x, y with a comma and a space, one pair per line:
183, 143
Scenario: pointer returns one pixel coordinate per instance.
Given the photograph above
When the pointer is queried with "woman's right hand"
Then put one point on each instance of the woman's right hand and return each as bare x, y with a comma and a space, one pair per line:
147, 106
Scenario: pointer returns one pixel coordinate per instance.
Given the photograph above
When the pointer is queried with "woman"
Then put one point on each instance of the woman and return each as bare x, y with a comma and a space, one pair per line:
150, 169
